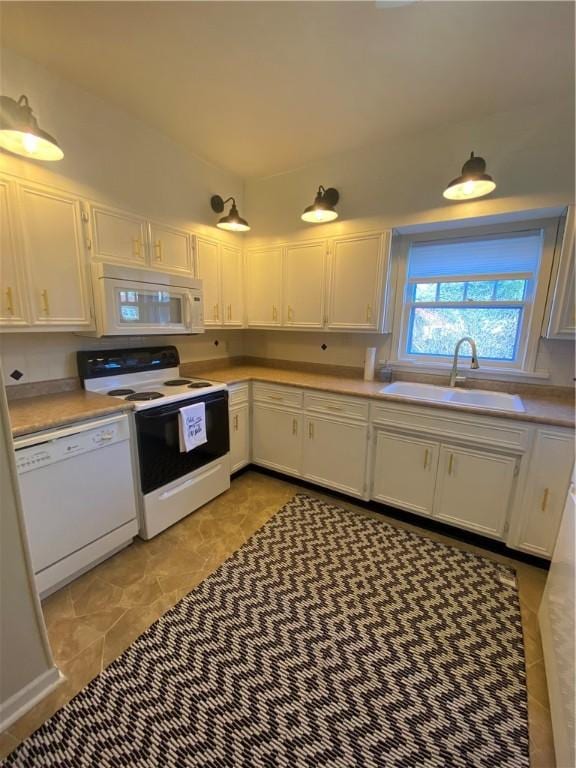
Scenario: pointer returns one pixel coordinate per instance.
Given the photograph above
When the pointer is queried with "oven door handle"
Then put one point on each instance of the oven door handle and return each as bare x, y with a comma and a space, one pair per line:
173, 411
188, 483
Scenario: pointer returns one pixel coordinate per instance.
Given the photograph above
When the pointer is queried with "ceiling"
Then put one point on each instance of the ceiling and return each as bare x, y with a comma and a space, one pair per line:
260, 88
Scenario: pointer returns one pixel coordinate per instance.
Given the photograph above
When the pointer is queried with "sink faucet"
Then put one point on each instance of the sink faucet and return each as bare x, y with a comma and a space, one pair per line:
454, 378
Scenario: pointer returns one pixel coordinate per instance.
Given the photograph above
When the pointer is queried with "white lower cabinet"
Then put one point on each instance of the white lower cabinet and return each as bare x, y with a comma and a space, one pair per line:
277, 438
334, 454
239, 436
405, 472
547, 483
474, 489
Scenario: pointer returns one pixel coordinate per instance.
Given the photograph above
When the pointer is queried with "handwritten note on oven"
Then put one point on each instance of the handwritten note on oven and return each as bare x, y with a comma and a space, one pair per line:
192, 427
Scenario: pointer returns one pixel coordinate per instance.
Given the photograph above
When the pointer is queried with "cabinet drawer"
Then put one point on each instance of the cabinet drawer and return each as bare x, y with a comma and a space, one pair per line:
336, 405
238, 393
462, 427
278, 395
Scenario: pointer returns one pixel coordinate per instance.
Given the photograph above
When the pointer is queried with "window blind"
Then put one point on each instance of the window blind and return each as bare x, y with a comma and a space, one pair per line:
517, 253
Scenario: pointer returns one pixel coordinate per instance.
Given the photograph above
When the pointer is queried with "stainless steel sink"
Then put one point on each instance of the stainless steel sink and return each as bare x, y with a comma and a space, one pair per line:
478, 398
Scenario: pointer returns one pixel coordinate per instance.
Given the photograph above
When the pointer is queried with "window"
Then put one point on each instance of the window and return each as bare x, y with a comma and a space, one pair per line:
484, 286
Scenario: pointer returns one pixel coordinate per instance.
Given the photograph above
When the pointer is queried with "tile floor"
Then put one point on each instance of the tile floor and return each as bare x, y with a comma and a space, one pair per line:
93, 620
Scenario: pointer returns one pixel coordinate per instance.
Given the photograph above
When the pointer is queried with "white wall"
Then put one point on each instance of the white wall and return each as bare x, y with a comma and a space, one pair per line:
530, 154
26, 667
112, 157
43, 356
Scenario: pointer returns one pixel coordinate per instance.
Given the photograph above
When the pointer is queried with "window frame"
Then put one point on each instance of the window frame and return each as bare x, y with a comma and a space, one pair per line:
533, 305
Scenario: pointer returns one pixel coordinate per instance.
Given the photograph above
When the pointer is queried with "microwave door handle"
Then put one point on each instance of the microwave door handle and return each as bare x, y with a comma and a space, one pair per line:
188, 311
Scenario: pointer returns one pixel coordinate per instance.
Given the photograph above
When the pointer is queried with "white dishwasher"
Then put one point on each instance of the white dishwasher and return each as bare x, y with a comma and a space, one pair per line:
78, 497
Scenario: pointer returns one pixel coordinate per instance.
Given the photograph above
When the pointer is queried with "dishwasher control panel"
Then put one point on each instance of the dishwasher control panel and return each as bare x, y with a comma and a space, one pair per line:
61, 446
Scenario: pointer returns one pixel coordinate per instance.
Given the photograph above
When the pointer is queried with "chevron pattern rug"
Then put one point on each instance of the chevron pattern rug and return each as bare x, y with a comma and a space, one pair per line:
328, 639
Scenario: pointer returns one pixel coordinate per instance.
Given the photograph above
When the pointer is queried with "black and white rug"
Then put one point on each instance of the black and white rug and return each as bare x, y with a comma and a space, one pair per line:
328, 639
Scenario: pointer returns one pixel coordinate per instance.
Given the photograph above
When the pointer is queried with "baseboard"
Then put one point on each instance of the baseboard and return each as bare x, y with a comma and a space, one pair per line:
426, 523
22, 701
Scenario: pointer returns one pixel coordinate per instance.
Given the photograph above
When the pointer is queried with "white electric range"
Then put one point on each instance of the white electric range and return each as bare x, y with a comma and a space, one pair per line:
172, 483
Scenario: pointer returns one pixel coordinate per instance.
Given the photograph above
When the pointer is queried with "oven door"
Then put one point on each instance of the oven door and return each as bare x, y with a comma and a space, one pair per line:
159, 445
136, 308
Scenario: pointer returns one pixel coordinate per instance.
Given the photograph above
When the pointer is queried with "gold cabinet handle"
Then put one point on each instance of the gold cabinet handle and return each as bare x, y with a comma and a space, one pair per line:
274, 313
9, 301
545, 500
158, 250
294, 426
450, 463
216, 312
136, 247
368, 313
311, 430
290, 313
426, 452
45, 302
229, 311
236, 423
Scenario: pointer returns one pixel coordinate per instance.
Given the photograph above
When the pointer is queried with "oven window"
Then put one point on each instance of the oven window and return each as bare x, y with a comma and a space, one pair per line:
149, 307
158, 441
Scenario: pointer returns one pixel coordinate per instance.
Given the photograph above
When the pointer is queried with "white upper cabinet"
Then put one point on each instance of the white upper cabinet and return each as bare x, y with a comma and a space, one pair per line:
208, 270
474, 489
561, 311
548, 479
357, 274
304, 285
170, 249
231, 286
12, 308
119, 236
54, 249
263, 271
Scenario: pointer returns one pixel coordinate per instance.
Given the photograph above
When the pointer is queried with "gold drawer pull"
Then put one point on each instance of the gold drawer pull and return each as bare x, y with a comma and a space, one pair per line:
216, 312
276, 397
450, 463
294, 426
368, 313
311, 430
136, 247
545, 500
9, 301
45, 302
426, 458
158, 249
333, 408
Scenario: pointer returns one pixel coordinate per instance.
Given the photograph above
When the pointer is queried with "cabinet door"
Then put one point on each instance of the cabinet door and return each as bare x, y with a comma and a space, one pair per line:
55, 255
12, 310
119, 236
561, 305
170, 249
208, 268
405, 472
474, 489
548, 480
264, 287
239, 436
232, 288
304, 279
277, 438
356, 283
334, 454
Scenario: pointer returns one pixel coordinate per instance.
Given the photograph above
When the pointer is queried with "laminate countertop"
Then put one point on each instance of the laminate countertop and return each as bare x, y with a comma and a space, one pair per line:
35, 414
551, 406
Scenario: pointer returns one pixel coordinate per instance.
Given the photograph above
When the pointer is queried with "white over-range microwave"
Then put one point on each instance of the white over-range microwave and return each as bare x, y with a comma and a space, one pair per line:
142, 302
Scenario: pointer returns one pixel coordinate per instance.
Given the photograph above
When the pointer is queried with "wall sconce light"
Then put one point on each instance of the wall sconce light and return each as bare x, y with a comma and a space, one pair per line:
474, 181
21, 134
322, 209
233, 222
